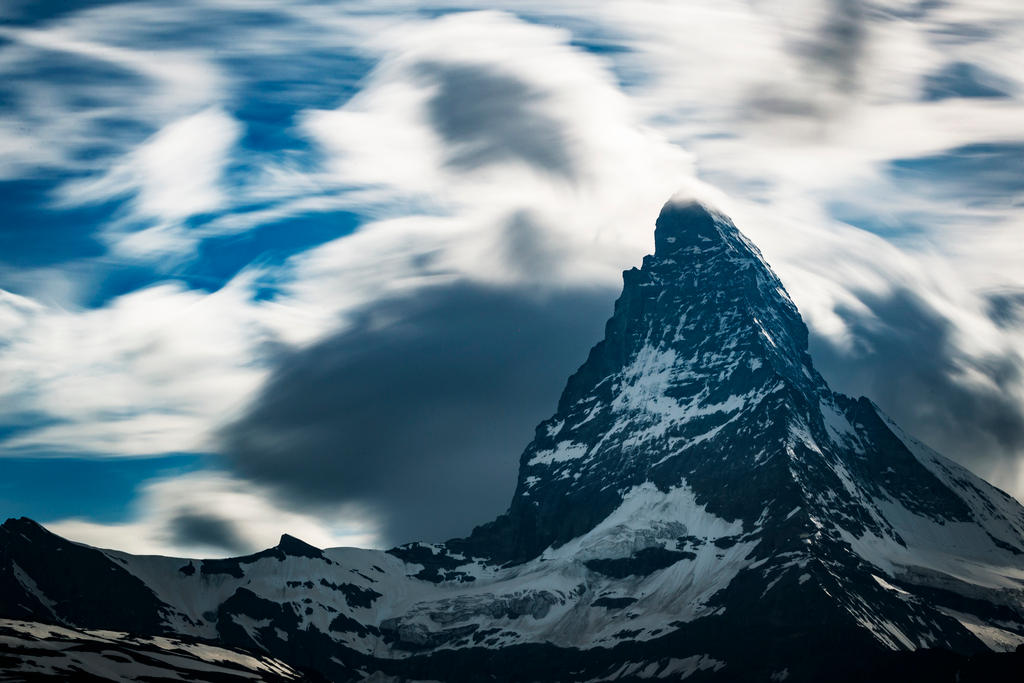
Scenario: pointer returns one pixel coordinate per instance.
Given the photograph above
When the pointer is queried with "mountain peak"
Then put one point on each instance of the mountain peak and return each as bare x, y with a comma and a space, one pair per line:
296, 547
703, 384
24, 525
684, 224
702, 340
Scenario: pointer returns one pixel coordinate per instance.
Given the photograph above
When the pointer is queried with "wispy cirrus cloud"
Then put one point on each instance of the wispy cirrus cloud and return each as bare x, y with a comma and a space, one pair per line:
63, 120
173, 175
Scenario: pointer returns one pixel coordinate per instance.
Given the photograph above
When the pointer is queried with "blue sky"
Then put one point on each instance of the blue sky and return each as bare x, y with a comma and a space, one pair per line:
224, 226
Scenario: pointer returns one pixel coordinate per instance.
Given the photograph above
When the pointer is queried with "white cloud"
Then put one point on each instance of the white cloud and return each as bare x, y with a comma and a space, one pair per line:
52, 128
386, 140
240, 510
175, 174
153, 372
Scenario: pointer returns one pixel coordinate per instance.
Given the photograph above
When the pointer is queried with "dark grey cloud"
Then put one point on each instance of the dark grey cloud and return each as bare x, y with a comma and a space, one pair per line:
528, 246
1006, 309
905, 358
832, 58
840, 43
961, 33
962, 79
769, 101
982, 174
200, 528
486, 117
421, 410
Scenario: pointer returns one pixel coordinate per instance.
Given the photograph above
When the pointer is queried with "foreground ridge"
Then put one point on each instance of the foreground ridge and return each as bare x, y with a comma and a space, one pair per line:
700, 505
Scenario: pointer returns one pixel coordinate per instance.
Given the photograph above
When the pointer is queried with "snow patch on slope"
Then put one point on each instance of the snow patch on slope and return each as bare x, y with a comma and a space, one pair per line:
567, 450
995, 638
637, 517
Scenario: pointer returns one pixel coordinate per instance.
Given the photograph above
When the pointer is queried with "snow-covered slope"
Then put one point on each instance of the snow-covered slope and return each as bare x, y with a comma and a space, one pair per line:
701, 504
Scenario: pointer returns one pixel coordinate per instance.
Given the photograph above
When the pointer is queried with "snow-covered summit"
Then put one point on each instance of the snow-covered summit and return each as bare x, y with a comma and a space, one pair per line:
702, 370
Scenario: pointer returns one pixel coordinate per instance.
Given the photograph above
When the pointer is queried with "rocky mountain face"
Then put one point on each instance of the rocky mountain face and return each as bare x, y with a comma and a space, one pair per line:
701, 505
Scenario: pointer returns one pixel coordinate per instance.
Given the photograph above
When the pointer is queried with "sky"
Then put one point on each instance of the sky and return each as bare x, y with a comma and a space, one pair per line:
321, 268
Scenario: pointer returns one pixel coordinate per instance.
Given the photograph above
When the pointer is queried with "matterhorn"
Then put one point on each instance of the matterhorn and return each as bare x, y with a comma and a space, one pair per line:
700, 506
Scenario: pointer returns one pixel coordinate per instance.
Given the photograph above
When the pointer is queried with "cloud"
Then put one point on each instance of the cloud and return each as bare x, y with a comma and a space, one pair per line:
89, 114
159, 369
486, 117
962, 79
840, 42
1006, 308
211, 514
482, 109
980, 173
199, 528
174, 175
152, 372
419, 411
901, 347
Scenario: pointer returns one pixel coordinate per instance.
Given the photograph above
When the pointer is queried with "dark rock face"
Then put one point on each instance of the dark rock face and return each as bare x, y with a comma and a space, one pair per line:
704, 324
46, 578
288, 546
701, 505
640, 563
